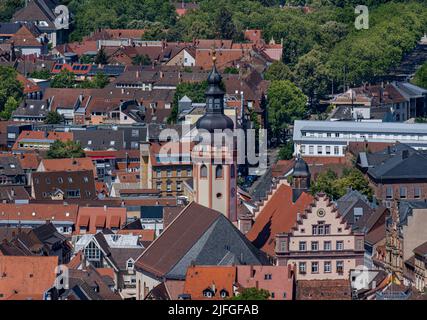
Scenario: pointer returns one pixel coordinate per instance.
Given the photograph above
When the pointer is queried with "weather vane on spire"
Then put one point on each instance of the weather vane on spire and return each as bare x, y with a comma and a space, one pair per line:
213, 55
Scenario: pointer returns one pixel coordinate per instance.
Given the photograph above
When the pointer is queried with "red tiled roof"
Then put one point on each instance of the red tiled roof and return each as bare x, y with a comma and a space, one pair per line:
144, 234
278, 215
200, 278
38, 212
29, 161
100, 217
77, 164
26, 277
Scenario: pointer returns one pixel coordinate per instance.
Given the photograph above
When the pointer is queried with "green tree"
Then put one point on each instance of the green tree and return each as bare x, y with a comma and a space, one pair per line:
9, 86
62, 150
99, 81
8, 8
10, 106
41, 74
325, 182
64, 79
329, 183
286, 152
101, 57
420, 78
286, 103
278, 71
311, 75
252, 294
53, 117
195, 91
224, 24
141, 60
354, 179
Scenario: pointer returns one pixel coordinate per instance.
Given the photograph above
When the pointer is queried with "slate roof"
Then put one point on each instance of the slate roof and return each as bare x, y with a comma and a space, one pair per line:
395, 162
406, 209
32, 108
198, 235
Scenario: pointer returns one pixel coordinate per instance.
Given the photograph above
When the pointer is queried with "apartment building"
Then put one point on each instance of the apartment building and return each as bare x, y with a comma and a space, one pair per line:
331, 139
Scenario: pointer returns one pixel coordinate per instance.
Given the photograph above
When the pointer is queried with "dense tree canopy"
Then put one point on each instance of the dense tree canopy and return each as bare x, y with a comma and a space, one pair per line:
252, 294
420, 78
62, 150
286, 103
335, 187
10, 88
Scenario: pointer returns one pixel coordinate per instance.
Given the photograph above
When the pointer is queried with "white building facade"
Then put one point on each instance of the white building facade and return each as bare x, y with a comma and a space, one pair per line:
331, 138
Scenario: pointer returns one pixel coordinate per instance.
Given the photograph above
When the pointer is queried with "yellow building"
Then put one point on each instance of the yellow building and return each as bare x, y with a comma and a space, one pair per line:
165, 167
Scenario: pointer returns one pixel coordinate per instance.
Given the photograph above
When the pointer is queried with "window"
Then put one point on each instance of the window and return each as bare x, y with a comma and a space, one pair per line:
178, 186
389, 192
327, 246
268, 276
73, 193
311, 149
314, 229
340, 266
403, 192
135, 133
203, 171
207, 294
319, 150
336, 150
169, 187
314, 246
340, 245
302, 246
327, 229
178, 173
159, 173
218, 172
189, 172
70, 180
315, 267
224, 294
86, 179
303, 149
47, 180
272, 295
129, 264
302, 267
283, 246
159, 186
328, 149
60, 180
169, 173
327, 267
92, 252
417, 192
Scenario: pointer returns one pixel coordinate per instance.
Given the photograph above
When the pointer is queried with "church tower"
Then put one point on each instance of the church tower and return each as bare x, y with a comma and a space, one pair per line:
300, 178
215, 172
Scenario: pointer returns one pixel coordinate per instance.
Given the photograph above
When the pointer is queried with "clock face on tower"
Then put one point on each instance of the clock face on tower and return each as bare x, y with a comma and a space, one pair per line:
321, 213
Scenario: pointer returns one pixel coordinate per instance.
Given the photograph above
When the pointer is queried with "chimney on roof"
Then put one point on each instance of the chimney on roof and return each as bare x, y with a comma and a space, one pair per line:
405, 154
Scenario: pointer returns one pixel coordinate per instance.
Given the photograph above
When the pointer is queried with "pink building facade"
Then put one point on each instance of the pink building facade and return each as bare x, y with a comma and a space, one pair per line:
321, 246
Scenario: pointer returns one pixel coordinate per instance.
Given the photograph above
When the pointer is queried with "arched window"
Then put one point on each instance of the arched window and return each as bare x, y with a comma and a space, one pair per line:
203, 171
219, 172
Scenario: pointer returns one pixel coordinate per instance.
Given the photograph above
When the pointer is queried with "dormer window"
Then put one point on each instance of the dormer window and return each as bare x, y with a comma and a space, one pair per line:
208, 293
224, 294
130, 264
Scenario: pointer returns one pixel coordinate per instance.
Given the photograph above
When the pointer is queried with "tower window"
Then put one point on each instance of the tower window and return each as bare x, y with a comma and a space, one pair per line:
219, 172
203, 171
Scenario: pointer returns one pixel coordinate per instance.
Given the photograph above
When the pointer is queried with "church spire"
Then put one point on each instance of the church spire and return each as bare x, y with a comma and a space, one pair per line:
214, 117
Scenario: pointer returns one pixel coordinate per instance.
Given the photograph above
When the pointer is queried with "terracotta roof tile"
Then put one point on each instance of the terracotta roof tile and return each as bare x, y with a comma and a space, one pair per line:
26, 277
200, 278
278, 215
